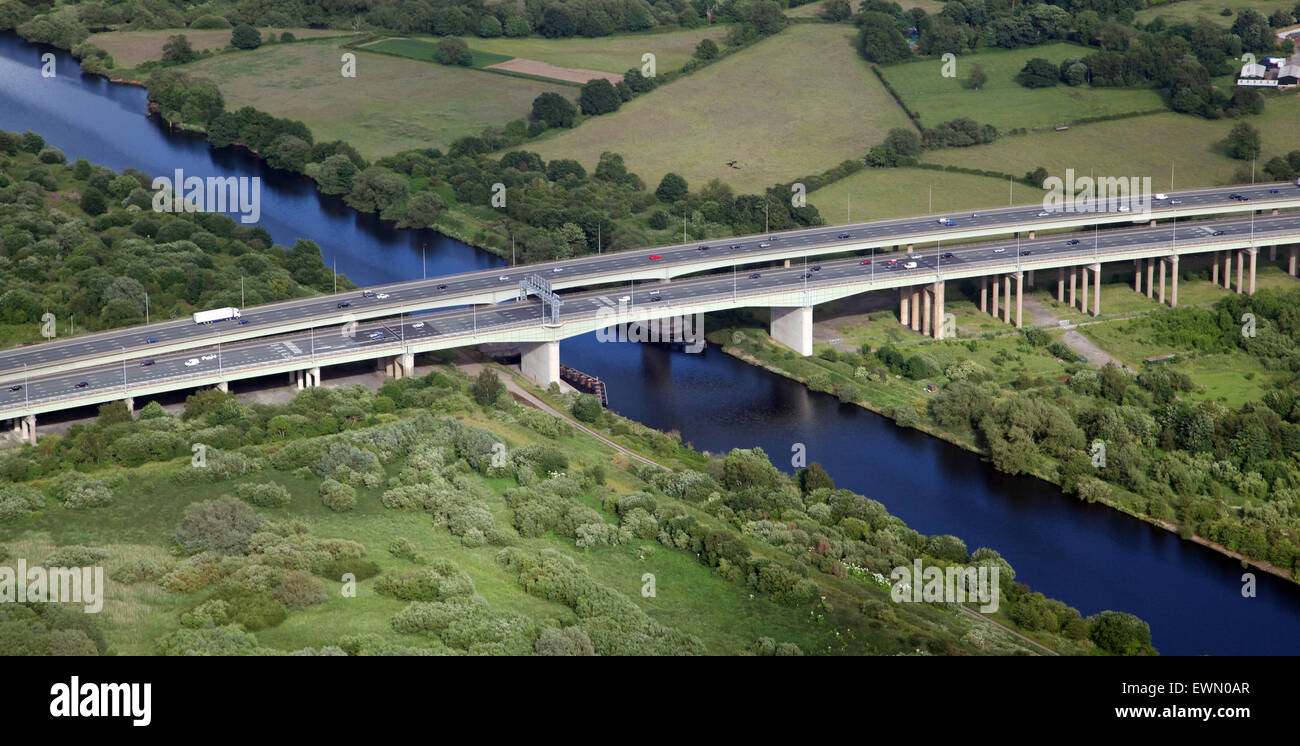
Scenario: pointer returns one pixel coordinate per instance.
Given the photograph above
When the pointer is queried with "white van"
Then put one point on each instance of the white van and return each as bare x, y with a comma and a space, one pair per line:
909, 265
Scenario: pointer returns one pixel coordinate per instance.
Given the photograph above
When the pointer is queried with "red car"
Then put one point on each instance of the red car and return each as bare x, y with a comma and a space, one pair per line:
865, 261
892, 261
654, 257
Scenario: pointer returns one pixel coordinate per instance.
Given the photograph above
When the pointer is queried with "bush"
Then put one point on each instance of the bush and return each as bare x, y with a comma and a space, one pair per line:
245, 36
268, 495
586, 408
453, 51
358, 568
566, 641
337, 496
224, 525
19, 501
300, 590
441, 580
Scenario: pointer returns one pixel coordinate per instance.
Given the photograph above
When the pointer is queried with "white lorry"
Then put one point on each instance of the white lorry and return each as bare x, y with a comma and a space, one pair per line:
216, 314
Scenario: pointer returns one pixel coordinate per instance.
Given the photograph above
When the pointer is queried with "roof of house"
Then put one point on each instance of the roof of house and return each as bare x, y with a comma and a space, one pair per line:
1253, 70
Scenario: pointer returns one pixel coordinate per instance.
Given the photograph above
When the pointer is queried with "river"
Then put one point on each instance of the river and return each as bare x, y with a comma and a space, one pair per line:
1089, 556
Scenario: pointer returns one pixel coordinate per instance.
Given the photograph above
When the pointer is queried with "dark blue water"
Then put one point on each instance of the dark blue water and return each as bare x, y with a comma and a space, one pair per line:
1086, 555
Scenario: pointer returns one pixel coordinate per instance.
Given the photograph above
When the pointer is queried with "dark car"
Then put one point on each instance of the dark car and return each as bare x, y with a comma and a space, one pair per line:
16, 387
754, 275
1274, 191
705, 247
947, 255
151, 340
146, 362
1218, 233
81, 385
807, 275
1026, 252
1073, 242
1234, 195
368, 294
1245, 198
817, 268
243, 321
845, 235
442, 287
655, 299
345, 304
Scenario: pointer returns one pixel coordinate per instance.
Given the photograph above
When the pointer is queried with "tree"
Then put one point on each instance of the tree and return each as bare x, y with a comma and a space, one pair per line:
976, 79
245, 36
557, 23
422, 211
836, 10
177, 51
671, 188
489, 27
1037, 73
879, 39
1243, 141
599, 97
814, 477
92, 202
554, 109
706, 50
453, 51
487, 387
224, 525
516, 27
1120, 634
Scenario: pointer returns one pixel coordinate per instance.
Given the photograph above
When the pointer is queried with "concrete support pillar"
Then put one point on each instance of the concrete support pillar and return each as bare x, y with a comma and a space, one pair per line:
1073, 272
1083, 296
915, 324
984, 294
1096, 289
1290, 267
1060, 284
1006, 300
927, 311
313, 376
30, 426
1162, 282
1227, 270
1031, 235
939, 316
1137, 275
1151, 268
996, 289
1241, 269
1020, 297
130, 405
406, 361
298, 379
791, 326
1030, 280
540, 361
1214, 270
1173, 276
1272, 253
224, 386
1250, 285
904, 305
787, 263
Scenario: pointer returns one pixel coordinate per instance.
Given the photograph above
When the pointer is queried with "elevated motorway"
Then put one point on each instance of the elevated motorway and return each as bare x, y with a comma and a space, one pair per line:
791, 292
496, 286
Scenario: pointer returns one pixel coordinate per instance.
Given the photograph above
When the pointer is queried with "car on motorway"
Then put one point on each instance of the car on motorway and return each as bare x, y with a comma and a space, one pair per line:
243, 321
1175, 201
845, 235
807, 275
1043, 213
503, 278
910, 265
1073, 242
703, 247
625, 299
773, 237
344, 304
865, 262
368, 294
1217, 233
1124, 208
418, 325
734, 246
817, 268
974, 214
655, 299
999, 250
1026, 252
765, 245
16, 387
655, 257
144, 363
442, 286
946, 255
209, 356
916, 256
891, 262
376, 335
1234, 195
946, 222
754, 275
558, 269
81, 385
382, 296
1245, 198
191, 362
1162, 196
151, 340
1274, 191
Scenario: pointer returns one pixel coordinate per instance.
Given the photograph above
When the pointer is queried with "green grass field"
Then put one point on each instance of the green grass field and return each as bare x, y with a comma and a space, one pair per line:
1003, 102
877, 193
611, 54
1140, 146
1187, 10
392, 105
130, 48
420, 49
776, 109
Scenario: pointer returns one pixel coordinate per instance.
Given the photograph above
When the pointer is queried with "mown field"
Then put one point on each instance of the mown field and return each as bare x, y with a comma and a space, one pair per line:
1140, 146
877, 193
130, 48
794, 104
426, 50
1003, 102
392, 105
613, 54
1188, 10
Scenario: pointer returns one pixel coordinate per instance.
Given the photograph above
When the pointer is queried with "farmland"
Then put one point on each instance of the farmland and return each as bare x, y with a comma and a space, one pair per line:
130, 48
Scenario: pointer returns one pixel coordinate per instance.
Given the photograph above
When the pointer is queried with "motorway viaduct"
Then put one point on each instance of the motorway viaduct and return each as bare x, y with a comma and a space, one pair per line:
393, 337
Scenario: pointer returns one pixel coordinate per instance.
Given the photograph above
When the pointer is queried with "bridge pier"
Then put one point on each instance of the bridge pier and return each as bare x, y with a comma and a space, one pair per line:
1173, 275
938, 290
792, 326
27, 429
927, 312
1096, 289
1137, 276
1030, 280
1214, 270
996, 289
1227, 270
1060, 284
1006, 300
1151, 268
130, 406
1083, 295
1241, 269
1272, 253
904, 309
224, 386
915, 323
1295, 249
1254, 253
540, 362
1073, 272
1162, 282
984, 294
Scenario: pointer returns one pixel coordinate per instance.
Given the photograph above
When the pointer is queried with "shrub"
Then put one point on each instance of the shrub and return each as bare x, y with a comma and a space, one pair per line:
566, 641
268, 495
78, 491
245, 36
586, 408
337, 496
137, 571
224, 525
19, 501
75, 556
300, 590
439, 581
453, 51
358, 568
